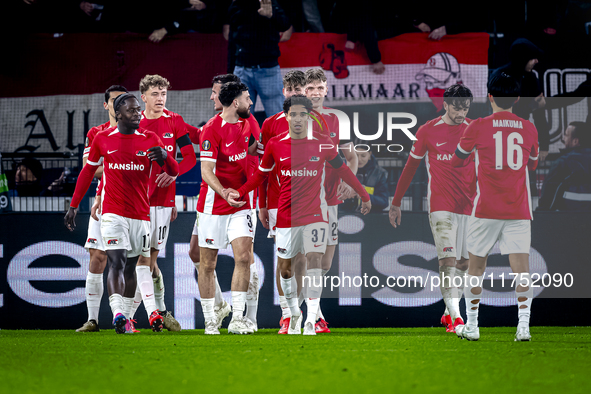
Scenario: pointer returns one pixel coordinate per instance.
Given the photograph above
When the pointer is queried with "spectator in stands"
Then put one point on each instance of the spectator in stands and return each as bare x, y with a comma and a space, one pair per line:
568, 185
27, 178
254, 42
375, 180
438, 19
524, 56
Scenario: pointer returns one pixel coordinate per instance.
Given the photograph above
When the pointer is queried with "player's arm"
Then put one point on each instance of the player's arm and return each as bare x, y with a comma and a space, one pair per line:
266, 166
82, 184
349, 178
466, 146
253, 146
534, 155
350, 156
189, 160
99, 170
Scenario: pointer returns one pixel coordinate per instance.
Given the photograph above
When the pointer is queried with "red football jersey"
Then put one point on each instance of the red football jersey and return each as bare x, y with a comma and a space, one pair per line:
273, 126
300, 165
329, 125
126, 171
169, 127
503, 143
449, 189
92, 133
252, 162
226, 145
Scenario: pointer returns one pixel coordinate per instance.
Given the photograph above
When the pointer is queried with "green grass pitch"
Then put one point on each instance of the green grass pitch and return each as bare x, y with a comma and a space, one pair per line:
377, 360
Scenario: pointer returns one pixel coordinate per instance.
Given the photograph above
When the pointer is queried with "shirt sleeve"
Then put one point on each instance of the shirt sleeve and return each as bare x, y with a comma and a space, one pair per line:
95, 156
468, 141
419, 148
534, 152
267, 162
209, 144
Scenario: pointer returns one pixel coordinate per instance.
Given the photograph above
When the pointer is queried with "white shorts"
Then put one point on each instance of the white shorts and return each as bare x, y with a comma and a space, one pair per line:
132, 235
303, 239
449, 231
514, 236
159, 226
333, 225
217, 231
196, 225
94, 240
254, 216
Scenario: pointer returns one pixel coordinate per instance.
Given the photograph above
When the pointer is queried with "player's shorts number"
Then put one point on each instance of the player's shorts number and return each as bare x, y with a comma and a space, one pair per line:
249, 220
315, 235
145, 241
514, 150
161, 232
335, 229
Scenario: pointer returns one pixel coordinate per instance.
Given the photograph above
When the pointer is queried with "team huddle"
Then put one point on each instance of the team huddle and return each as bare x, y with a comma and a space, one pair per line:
291, 170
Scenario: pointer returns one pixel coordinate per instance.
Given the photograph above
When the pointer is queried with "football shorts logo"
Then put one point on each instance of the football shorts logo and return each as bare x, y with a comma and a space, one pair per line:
282, 250
140, 153
167, 135
113, 242
209, 241
314, 158
448, 249
91, 240
206, 145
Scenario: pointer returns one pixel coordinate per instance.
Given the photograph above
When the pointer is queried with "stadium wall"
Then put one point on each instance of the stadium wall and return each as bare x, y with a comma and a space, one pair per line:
43, 269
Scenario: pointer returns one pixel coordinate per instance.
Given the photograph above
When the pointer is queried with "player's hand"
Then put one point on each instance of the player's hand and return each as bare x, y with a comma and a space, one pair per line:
232, 197
95, 210
158, 35
70, 219
266, 9
174, 214
345, 192
197, 5
165, 180
438, 33
395, 214
366, 207
264, 217
542, 156
157, 154
86, 7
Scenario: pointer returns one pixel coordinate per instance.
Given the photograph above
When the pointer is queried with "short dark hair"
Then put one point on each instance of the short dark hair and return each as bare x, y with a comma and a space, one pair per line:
113, 88
297, 99
457, 95
120, 100
581, 132
294, 78
504, 89
230, 91
225, 78
315, 75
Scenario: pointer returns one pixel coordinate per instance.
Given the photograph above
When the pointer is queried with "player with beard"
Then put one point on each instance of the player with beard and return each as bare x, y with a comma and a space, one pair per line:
506, 149
221, 307
302, 217
293, 83
226, 140
94, 242
336, 191
450, 195
128, 153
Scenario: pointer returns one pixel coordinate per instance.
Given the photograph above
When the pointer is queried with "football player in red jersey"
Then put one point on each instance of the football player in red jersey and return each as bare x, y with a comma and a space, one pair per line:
173, 131
94, 241
336, 191
293, 83
450, 196
506, 148
302, 215
226, 140
128, 153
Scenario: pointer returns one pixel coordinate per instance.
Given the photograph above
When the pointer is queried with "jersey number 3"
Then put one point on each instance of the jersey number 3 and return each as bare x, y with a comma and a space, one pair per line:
514, 150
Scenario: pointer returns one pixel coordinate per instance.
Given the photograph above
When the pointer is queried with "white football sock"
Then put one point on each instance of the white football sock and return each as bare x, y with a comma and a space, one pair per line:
314, 293
159, 292
524, 314
219, 296
127, 306
238, 303
116, 303
448, 291
290, 296
312, 304
472, 300
207, 305
94, 294
285, 312
137, 300
459, 284
146, 285
252, 295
